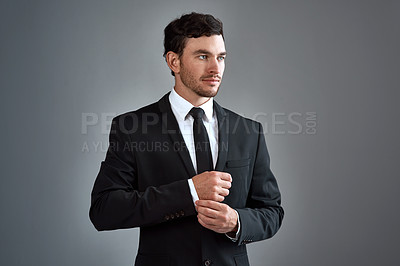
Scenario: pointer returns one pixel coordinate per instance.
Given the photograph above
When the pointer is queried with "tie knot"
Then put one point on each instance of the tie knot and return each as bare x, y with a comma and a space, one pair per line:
197, 113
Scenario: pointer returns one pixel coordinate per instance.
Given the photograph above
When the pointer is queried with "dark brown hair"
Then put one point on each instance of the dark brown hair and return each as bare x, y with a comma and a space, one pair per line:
193, 25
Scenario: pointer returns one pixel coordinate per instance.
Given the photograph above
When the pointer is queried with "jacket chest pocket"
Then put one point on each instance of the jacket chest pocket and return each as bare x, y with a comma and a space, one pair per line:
238, 163
240, 173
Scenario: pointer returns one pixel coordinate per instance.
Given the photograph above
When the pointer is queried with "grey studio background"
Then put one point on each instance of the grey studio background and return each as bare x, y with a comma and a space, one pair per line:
322, 77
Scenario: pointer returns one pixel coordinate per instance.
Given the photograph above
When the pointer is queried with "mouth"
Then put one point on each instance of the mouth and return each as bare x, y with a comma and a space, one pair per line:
211, 81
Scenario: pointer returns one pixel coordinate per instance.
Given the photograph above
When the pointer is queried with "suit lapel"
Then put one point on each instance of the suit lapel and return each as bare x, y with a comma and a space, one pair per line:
223, 128
170, 125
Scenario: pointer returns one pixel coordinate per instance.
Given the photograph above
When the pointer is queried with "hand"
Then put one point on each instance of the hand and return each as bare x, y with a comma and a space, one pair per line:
212, 185
217, 216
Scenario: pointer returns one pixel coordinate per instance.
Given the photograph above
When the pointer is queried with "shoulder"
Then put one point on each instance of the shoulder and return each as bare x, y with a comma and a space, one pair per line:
148, 109
153, 109
130, 121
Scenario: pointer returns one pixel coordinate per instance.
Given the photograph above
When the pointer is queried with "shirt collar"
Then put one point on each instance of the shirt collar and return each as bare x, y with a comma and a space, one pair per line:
183, 107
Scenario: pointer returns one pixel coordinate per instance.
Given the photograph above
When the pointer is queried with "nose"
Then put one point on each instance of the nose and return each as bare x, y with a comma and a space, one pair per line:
215, 66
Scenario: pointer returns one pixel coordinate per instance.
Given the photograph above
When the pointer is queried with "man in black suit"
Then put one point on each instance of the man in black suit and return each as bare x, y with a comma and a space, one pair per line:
195, 177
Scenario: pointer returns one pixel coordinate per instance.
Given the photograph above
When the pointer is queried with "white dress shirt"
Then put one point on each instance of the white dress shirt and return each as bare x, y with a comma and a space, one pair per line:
181, 108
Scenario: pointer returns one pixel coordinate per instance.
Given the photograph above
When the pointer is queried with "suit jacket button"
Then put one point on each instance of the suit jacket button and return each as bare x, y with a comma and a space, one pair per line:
167, 217
182, 213
177, 214
207, 262
172, 216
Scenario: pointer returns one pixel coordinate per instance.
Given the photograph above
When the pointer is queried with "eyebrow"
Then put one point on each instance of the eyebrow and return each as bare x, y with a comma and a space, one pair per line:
200, 51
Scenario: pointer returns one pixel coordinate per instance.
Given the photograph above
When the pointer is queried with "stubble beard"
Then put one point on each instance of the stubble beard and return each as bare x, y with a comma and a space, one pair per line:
190, 82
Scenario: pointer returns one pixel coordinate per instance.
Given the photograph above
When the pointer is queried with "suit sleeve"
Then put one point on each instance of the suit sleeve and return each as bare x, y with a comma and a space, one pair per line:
116, 202
263, 215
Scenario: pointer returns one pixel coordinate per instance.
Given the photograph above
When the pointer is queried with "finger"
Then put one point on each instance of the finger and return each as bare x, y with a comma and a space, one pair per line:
207, 220
210, 204
207, 212
223, 192
204, 203
225, 176
225, 184
204, 224
215, 228
217, 198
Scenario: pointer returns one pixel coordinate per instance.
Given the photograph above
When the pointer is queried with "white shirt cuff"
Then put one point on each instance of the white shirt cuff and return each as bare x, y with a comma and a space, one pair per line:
193, 190
238, 231
195, 197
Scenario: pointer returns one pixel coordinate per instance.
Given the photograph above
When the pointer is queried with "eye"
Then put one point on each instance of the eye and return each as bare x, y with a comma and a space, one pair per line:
220, 58
203, 57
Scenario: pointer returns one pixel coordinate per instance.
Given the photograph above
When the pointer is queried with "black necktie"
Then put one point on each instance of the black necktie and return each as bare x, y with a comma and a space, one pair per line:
201, 142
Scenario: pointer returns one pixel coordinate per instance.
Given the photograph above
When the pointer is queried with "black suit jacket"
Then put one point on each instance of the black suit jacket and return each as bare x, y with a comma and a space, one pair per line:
143, 183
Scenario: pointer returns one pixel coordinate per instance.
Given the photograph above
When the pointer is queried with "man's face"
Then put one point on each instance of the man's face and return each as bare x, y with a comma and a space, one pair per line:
202, 65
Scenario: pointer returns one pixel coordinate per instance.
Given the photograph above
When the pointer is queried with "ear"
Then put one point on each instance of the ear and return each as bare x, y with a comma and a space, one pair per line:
173, 61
